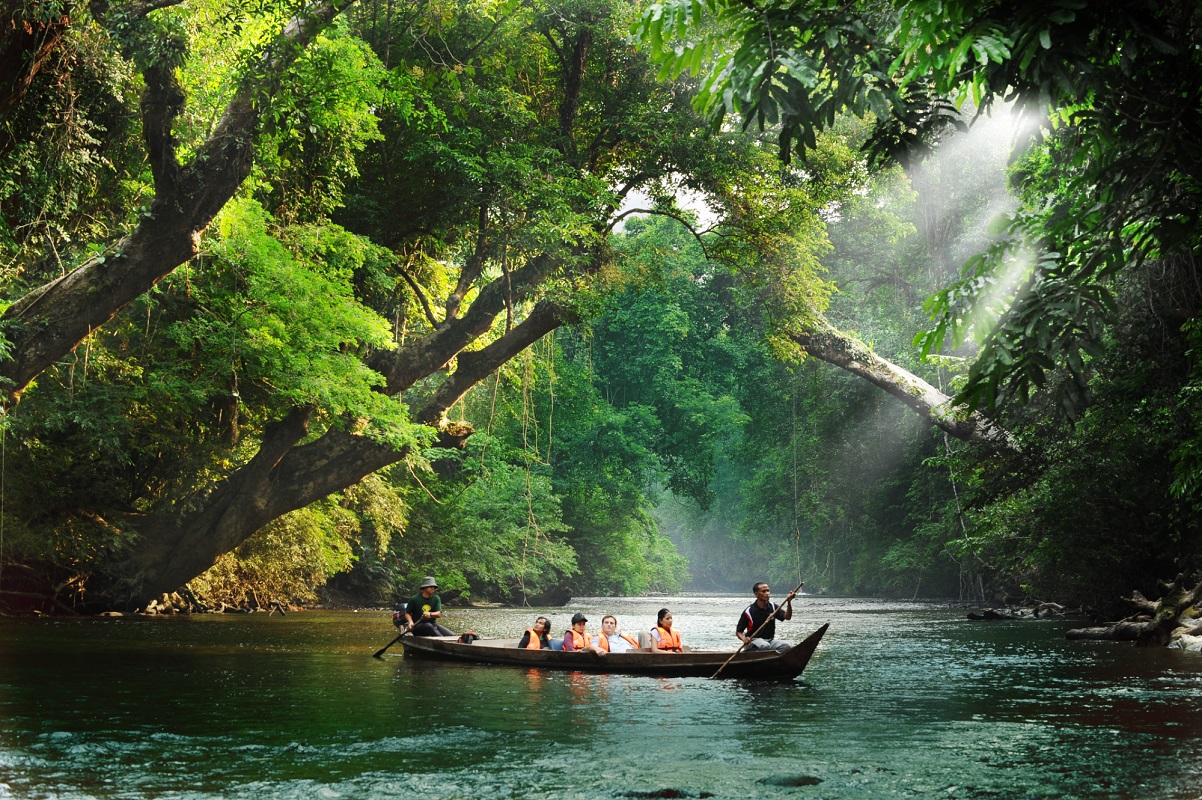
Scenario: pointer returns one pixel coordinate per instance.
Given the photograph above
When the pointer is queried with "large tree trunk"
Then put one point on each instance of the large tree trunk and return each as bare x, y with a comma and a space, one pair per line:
48, 322
827, 344
176, 545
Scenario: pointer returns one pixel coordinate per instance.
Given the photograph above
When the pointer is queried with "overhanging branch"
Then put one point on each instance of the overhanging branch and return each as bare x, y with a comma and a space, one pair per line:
824, 342
696, 233
476, 365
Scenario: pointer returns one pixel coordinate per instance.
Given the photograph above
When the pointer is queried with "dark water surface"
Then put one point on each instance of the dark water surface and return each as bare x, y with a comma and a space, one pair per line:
902, 700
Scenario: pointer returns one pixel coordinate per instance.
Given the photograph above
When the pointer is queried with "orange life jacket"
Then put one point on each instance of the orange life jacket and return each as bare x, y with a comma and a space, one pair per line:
536, 641
603, 641
579, 640
668, 640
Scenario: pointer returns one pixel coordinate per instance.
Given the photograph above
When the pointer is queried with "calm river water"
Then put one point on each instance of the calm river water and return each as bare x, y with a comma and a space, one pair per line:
902, 700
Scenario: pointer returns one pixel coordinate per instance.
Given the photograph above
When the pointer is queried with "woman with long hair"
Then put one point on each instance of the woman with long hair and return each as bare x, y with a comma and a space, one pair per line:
664, 638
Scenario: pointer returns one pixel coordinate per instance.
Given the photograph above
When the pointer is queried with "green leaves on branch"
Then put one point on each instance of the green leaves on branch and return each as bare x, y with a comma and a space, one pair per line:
787, 64
315, 134
284, 561
152, 42
501, 534
283, 324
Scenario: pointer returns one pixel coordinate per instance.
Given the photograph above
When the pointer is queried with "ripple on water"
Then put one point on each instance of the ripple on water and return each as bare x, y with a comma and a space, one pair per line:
902, 700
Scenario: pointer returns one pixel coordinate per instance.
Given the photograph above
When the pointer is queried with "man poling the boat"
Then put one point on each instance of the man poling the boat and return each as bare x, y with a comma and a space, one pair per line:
756, 628
421, 614
770, 612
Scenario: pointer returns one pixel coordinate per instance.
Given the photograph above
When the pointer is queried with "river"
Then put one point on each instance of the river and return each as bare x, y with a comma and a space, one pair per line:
902, 700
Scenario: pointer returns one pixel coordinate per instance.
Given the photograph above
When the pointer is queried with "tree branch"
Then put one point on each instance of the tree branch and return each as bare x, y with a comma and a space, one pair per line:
162, 103
237, 503
476, 365
473, 267
49, 321
421, 296
696, 234
402, 368
826, 343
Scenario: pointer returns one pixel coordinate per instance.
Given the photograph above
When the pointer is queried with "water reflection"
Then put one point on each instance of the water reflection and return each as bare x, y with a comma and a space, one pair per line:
902, 700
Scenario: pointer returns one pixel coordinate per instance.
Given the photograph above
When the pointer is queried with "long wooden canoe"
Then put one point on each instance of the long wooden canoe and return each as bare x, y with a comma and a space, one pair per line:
784, 665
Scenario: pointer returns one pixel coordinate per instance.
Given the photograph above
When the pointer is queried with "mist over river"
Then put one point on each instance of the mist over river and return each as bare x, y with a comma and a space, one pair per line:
901, 700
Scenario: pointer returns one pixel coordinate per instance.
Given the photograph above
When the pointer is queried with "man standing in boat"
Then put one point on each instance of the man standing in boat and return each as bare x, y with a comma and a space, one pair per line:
763, 612
423, 610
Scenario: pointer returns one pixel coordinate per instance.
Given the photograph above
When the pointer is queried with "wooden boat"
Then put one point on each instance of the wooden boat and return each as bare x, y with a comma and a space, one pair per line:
784, 665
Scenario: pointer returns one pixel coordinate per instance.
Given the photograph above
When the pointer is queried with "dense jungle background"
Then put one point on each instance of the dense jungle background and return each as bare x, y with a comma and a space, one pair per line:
306, 301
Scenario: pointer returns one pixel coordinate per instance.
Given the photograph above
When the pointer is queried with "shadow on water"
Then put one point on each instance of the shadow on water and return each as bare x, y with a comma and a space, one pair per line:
901, 700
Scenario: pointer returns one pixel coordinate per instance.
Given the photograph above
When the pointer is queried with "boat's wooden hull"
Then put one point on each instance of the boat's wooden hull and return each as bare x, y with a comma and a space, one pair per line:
698, 663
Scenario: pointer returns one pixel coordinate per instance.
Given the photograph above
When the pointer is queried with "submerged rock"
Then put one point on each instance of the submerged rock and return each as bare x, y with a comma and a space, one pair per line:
1190, 643
791, 780
1187, 638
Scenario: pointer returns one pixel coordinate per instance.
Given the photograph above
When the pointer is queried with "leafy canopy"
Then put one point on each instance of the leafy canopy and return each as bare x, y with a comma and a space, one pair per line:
1116, 84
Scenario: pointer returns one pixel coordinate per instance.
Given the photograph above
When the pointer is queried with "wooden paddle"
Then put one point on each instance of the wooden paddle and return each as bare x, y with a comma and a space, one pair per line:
380, 653
769, 618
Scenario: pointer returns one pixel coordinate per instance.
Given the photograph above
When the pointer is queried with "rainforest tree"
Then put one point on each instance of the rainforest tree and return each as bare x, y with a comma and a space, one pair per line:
495, 173
1107, 189
1125, 124
369, 223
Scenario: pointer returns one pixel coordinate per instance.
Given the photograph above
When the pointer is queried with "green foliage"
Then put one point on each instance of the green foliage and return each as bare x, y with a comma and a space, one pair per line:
1088, 512
154, 407
499, 537
832, 481
601, 461
69, 160
158, 41
284, 323
314, 135
415, 153
792, 66
1187, 458
668, 348
455, 148
1119, 187
284, 561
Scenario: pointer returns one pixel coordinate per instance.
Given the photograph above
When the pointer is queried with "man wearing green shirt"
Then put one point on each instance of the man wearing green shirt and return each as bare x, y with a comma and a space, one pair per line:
423, 610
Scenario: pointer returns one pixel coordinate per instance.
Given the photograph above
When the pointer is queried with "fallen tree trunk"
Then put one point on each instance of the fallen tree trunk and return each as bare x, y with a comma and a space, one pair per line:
1155, 622
824, 342
1121, 631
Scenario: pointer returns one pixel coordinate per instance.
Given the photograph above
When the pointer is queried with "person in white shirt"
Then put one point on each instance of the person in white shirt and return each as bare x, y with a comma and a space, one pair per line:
611, 640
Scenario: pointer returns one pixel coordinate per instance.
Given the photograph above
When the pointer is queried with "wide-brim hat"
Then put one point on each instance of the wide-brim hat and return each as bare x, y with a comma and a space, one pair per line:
428, 583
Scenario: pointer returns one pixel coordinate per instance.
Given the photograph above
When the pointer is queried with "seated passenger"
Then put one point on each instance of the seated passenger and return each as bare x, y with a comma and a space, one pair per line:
612, 640
536, 638
576, 637
663, 638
